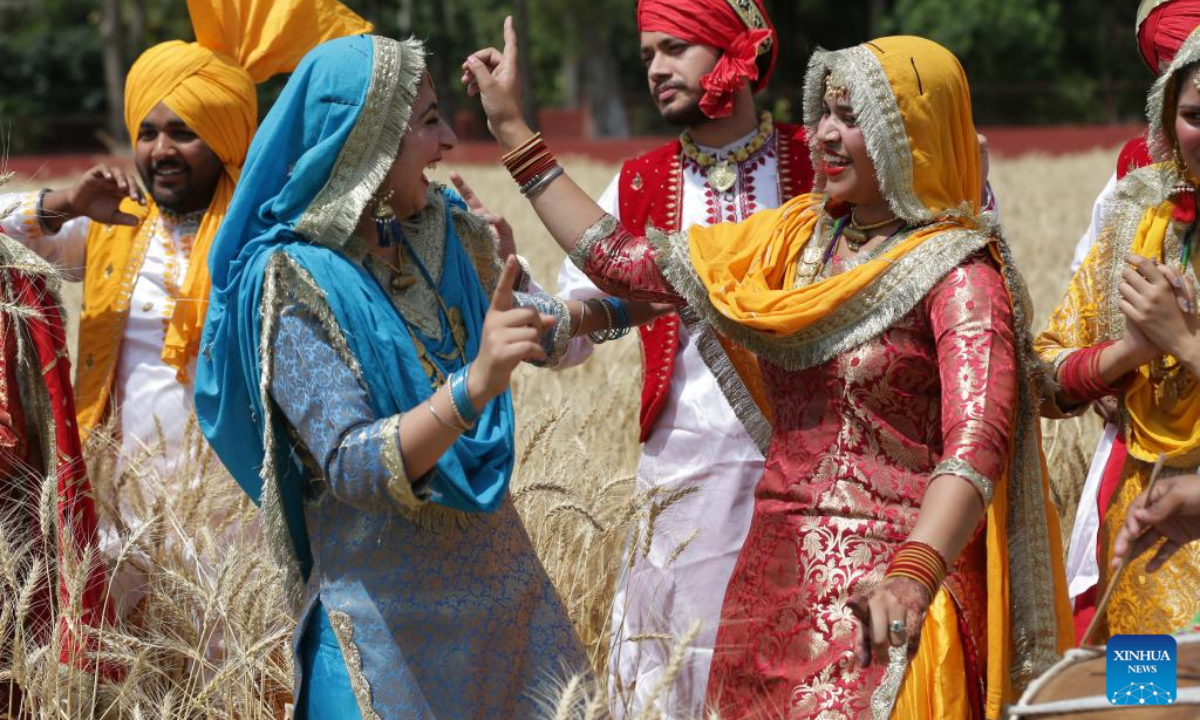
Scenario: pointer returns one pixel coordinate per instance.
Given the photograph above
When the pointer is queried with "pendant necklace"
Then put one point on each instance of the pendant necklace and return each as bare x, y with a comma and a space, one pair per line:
856, 232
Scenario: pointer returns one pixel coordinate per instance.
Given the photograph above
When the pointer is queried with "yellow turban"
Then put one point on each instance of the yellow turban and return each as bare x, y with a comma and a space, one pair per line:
210, 85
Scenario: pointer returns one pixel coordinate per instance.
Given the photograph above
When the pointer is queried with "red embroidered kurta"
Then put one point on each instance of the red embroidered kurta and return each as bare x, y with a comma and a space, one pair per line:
855, 442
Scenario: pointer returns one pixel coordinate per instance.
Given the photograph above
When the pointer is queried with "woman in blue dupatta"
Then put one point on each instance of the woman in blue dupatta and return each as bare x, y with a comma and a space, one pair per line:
333, 382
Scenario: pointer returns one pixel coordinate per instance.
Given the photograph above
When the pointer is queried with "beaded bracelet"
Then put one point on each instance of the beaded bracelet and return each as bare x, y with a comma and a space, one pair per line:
460, 397
918, 561
539, 182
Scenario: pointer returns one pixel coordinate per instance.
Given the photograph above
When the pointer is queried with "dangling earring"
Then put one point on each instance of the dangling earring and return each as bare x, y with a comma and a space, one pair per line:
386, 225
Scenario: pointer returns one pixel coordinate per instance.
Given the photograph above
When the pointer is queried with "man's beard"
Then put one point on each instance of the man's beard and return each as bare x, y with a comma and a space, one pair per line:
688, 116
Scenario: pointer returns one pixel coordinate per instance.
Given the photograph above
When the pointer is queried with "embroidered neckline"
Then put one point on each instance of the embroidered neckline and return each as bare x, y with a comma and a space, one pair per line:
412, 297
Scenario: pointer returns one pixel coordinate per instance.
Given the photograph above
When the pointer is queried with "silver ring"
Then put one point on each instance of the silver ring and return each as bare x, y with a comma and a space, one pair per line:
896, 627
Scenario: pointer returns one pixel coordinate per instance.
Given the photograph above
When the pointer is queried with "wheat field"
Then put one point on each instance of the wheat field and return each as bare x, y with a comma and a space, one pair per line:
210, 639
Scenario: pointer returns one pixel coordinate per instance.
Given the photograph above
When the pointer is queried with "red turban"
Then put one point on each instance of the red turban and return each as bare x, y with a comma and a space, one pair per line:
1162, 28
741, 34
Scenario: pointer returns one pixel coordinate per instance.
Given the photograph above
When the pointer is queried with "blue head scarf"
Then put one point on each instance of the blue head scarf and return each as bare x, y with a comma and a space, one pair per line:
318, 157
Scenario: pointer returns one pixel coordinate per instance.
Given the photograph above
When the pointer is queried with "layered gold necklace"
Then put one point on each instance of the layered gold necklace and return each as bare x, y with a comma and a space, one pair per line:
720, 171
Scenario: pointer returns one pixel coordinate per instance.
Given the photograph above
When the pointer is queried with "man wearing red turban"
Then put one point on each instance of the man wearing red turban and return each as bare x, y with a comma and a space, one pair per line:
704, 433
1162, 26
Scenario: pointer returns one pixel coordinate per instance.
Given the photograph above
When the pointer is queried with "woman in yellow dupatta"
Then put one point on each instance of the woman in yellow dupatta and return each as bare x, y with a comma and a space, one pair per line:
1120, 330
904, 481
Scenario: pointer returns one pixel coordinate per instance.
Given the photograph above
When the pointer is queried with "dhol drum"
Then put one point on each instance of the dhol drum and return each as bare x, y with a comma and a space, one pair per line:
1074, 689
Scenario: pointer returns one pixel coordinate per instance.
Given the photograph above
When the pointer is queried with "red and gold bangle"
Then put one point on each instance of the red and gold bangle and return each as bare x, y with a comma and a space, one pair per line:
920, 562
522, 149
534, 167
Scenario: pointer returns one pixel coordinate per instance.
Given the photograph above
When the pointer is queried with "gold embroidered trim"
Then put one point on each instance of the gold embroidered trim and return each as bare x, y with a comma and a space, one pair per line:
343, 629
879, 117
867, 314
601, 229
283, 281
753, 19
561, 330
883, 700
399, 485
713, 353
476, 236
372, 145
1033, 613
961, 468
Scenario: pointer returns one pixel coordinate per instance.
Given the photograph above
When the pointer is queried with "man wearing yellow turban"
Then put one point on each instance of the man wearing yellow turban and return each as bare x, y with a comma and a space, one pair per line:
191, 110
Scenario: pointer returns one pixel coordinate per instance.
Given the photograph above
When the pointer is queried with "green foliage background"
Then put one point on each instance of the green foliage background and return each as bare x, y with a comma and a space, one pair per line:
1030, 61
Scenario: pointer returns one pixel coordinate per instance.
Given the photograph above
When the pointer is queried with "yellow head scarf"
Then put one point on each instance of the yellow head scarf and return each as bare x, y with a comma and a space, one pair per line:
914, 105
210, 85
750, 281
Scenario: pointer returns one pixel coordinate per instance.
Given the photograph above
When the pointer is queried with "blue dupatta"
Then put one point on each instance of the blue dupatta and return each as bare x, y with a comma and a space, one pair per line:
320, 154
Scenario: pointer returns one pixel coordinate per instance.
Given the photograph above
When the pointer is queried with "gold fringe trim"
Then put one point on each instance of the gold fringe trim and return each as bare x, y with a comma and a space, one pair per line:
343, 629
1033, 613
372, 145
399, 485
713, 353
859, 319
961, 468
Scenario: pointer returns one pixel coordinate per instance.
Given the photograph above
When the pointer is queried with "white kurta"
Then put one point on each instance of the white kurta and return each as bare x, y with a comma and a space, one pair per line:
152, 406
698, 442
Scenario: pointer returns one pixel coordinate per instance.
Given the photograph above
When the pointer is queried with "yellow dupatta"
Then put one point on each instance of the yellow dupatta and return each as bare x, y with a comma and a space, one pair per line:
748, 280
210, 84
1153, 428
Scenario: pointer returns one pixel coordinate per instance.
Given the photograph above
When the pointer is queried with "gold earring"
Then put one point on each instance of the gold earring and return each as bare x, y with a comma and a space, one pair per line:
382, 210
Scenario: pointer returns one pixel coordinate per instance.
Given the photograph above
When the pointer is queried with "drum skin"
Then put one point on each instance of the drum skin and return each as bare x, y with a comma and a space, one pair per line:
1085, 678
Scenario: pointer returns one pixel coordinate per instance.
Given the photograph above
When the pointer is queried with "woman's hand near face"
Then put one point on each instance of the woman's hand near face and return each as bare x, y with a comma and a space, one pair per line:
494, 76
1160, 303
502, 232
511, 335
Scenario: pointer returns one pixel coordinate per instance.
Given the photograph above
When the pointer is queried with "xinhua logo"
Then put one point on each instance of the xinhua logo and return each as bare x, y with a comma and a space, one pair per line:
1141, 670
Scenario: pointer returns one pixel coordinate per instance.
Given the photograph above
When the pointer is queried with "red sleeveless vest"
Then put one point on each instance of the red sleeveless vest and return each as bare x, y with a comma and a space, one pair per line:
651, 195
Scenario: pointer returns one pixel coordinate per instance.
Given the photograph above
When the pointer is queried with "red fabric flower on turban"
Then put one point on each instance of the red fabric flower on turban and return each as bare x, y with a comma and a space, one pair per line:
716, 23
1163, 31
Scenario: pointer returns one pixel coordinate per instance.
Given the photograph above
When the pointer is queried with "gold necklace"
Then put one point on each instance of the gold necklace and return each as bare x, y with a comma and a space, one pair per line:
718, 171
856, 233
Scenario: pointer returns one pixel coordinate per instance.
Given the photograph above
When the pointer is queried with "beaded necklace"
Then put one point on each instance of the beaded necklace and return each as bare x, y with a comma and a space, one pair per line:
719, 172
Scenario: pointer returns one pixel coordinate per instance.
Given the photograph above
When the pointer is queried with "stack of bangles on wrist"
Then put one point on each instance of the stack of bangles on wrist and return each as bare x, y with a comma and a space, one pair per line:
532, 165
917, 561
1080, 374
465, 413
616, 317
